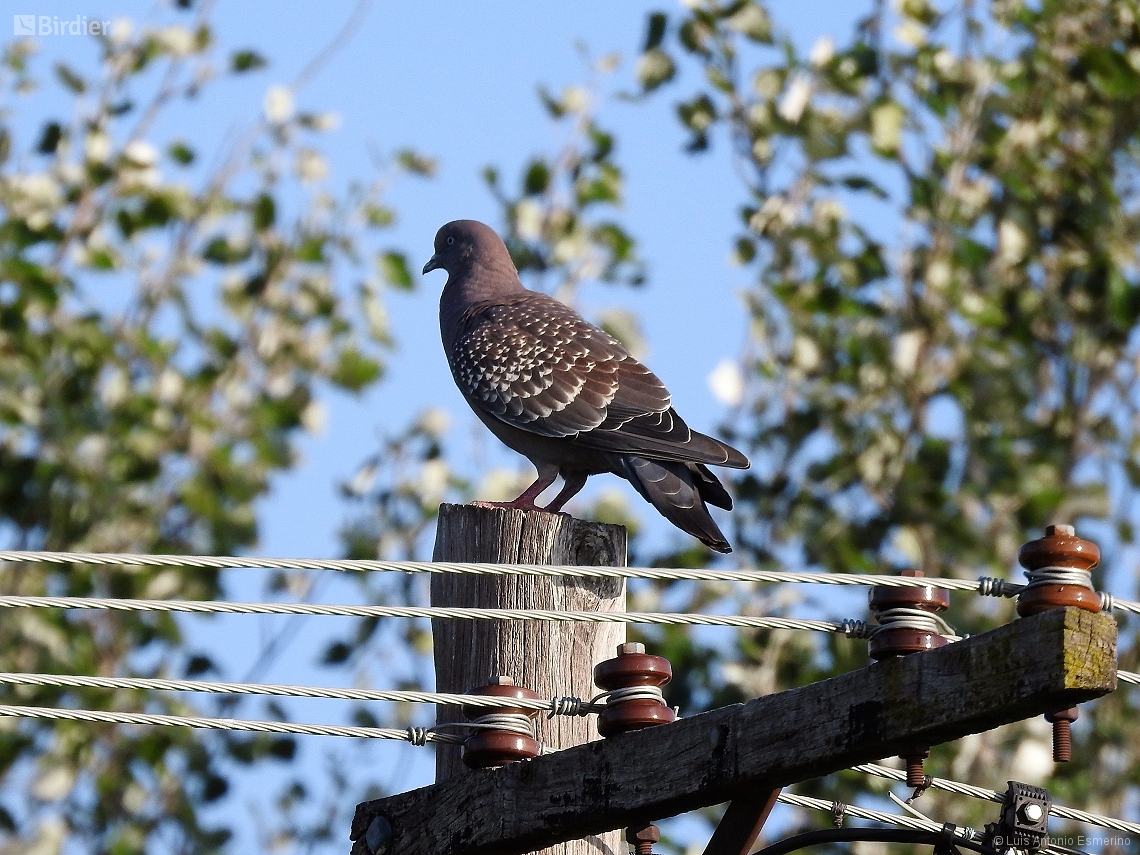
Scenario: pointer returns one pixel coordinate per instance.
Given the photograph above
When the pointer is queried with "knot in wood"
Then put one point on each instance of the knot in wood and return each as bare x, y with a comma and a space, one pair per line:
1046, 561
492, 745
633, 681
901, 613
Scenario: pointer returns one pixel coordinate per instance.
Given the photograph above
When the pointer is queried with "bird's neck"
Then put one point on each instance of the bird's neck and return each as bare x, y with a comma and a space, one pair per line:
482, 284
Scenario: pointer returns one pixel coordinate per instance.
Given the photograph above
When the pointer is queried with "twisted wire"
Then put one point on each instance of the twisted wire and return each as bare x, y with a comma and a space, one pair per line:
904, 617
224, 688
227, 607
202, 722
838, 808
994, 796
1059, 576
986, 585
667, 574
513, 722
630, 693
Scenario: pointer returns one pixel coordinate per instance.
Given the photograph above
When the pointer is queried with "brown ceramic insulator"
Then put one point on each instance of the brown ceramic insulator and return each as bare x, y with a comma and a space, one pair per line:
642, 838
1062, 733
902, 641
491, 747
632, 667
1060, 547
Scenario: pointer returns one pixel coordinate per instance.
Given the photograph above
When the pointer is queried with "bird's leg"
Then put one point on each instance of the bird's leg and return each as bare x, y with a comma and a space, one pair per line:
570, 488
525, 501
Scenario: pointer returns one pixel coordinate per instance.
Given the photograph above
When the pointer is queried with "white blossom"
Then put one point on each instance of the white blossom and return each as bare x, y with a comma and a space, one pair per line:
140, 153
939, 274
278, 104
55, 783
886, 126
434, 422
796, 99
575, 99
911, 33
311, 166
528, 219
434, 477
121, 30
1012, 242
97, 148
90, 453
314, 417
176, 40
905, 350
726, 382
325, 122
168, 388
822, 52
805, 353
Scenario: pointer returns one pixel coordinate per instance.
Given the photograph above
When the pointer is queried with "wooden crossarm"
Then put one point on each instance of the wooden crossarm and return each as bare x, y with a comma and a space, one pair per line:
1014, 672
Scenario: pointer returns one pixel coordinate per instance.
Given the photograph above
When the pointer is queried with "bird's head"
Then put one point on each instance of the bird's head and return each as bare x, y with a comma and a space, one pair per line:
462, 244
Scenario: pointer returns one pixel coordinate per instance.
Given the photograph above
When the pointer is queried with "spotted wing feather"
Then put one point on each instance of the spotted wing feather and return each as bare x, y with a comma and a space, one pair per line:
537, 365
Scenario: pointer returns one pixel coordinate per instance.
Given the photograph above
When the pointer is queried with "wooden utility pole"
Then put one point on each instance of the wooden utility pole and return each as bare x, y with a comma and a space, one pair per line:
553, 659
739, 752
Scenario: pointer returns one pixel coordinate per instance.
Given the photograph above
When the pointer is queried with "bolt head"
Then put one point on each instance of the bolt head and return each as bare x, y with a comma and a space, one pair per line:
643, 834
501, 680
1032, 813
1060, 530
630, 647
378, 837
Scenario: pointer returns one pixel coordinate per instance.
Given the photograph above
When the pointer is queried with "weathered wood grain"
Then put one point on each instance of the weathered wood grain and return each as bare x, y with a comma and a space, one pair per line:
1011, 673
551, 658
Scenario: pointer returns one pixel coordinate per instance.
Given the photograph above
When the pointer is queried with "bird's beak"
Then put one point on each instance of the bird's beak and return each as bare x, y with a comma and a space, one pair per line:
433, 264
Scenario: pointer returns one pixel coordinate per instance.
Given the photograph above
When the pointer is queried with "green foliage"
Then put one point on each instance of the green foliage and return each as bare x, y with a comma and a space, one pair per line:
940, 368
152, 423
247, 60
559, 221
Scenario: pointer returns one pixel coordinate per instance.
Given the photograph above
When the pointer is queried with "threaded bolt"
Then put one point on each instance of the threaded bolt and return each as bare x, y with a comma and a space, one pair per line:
1062, 741
1063, 733
915, 775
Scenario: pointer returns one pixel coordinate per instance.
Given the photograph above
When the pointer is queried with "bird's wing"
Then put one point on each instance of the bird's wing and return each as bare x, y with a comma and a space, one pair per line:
537, 365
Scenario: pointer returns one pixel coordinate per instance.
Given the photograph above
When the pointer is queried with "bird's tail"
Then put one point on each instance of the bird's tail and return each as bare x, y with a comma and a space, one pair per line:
679, 491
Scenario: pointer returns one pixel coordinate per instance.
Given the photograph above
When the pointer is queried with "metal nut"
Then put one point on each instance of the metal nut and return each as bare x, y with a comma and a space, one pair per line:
1032, 813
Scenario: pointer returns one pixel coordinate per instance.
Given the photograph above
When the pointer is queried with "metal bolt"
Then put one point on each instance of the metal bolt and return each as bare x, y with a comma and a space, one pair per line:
915, 776
1032, 812
630, 647
501, 680
642, 838
1062, 733
1057, 530
378, 837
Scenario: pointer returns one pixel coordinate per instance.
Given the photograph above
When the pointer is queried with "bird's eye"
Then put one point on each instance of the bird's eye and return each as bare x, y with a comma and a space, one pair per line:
450, 240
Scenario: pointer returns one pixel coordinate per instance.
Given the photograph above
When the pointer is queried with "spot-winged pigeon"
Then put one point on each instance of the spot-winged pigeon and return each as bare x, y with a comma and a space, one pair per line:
566, 394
